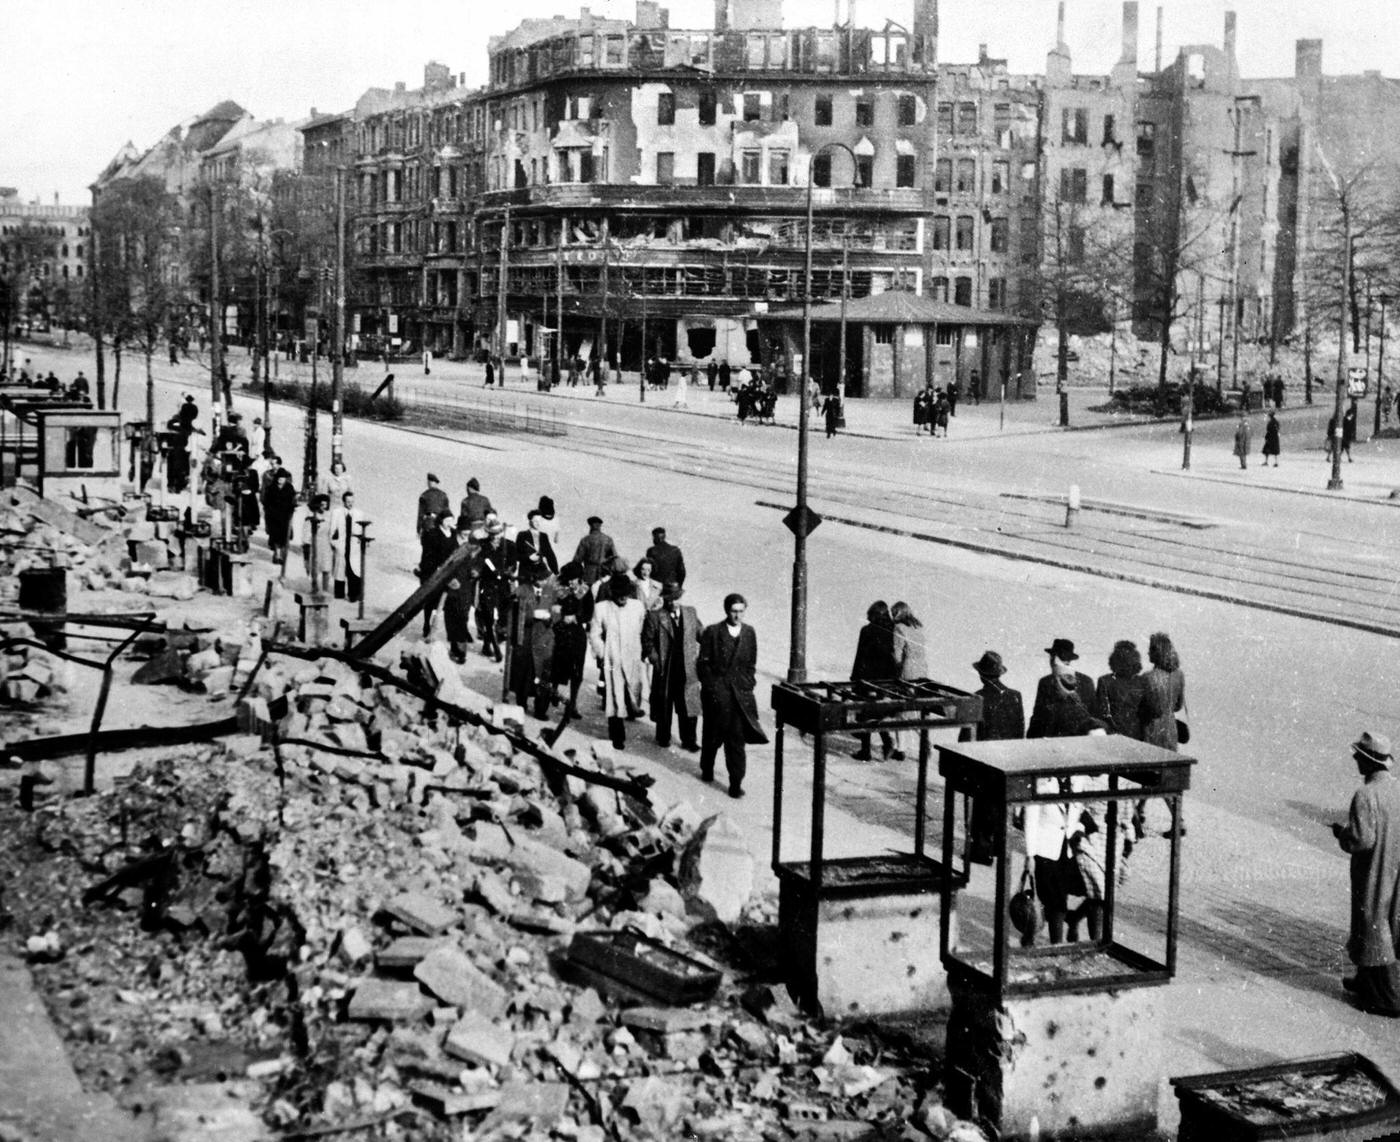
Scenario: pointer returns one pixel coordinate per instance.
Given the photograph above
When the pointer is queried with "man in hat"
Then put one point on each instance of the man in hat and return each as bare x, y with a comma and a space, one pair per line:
1063, 682
670, 642
534, 553
1003, 715
475, 506
495, 567
432, 502
667, 562
725, 666
595, 552
1372, 837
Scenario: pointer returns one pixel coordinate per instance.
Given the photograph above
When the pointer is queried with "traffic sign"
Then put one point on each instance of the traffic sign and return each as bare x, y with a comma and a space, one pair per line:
794, 519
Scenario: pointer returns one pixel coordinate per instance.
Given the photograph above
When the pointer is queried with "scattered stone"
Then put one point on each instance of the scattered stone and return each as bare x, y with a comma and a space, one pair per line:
717, 871
386, 999
476, 1039
421, 913
453, 978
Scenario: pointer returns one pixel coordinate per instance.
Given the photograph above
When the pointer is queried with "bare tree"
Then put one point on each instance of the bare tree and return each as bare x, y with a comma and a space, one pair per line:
22, 251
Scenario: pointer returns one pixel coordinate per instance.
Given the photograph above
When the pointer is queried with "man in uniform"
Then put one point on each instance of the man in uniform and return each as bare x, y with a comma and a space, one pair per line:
595, 552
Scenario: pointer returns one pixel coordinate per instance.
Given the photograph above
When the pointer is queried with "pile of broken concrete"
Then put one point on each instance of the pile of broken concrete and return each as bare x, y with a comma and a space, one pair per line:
372, 910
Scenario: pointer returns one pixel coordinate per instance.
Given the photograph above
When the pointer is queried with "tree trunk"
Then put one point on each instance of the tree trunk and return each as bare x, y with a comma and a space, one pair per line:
1165, 344
117, 369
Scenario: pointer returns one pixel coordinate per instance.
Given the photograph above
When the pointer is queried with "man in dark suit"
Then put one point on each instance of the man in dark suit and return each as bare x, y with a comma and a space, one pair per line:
667, 562
1003, 715
534, 553
495, 568
725, 667
671, 642
1061, 684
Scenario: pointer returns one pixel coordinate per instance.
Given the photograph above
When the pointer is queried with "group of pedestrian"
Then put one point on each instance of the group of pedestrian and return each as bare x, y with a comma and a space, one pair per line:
651, 653
1064, 840
933, 407
754, 397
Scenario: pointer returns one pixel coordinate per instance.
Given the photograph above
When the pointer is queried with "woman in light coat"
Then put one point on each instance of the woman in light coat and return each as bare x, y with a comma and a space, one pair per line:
911, 656
617, 644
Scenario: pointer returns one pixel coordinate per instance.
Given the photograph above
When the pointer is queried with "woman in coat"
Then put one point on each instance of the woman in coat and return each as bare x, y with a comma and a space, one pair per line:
1166, 692
875, 661
1120, 697
1271, 442
279, 505
910, 659
648, 589
617, 642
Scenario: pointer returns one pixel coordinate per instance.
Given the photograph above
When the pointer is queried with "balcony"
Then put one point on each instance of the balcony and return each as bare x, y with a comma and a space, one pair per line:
727, 198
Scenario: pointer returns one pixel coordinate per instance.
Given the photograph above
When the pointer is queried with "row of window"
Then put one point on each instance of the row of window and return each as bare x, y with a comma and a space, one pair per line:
960, 233
47, 231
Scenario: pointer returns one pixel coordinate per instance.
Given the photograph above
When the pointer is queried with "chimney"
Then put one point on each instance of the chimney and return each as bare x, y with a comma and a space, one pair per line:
1157, 66
721, 15
1308, 60
1060, 25
926, 23
1230, 35
1130, 31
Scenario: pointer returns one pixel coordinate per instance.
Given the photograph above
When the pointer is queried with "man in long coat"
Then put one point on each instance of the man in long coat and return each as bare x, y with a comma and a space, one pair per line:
495, 568
1047, 692
595, 552
725, 666
532, 642
534, 553
667, 560
671, 643
1372, 837
1003, 715
617, 644
438, 544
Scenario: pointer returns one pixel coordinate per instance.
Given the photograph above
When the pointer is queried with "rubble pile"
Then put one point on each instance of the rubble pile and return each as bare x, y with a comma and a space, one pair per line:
29, 675
379, 916
135, 554
205, 661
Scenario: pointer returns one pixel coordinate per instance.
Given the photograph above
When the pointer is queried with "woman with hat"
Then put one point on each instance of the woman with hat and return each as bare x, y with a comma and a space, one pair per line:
1371, 837
617, 642
571, 632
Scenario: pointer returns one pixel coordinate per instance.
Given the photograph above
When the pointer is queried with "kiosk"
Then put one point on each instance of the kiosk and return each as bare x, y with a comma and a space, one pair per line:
861, 932
1060, 1039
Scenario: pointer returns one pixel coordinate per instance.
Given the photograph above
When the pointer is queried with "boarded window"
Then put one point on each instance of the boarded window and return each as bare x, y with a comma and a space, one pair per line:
962, 291
967, 118
822, 113
705, 168
908, 110
904, 170
945, 118
1074, 184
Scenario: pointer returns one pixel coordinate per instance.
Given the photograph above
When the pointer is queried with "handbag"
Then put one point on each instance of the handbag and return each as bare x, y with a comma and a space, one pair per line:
1183, 730
1023, 909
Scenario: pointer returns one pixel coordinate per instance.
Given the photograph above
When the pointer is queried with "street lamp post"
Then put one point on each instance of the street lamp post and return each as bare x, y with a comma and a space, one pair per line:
1380, 364
338, 327
801, 520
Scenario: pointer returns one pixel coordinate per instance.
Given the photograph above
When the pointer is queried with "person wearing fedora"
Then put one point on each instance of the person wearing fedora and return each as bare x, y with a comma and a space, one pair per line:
671, 643
495, 568
1371, 837
725, 666
1003, 712
571, 633
1049, 715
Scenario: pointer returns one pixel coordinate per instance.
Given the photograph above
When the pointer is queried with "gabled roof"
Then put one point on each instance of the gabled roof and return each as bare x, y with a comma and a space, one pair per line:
896, 307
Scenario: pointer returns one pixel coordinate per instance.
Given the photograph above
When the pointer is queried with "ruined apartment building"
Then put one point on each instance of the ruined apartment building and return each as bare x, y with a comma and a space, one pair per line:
651, 177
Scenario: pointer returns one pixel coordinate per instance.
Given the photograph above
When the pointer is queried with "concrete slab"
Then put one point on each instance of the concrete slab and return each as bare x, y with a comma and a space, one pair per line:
40, 1096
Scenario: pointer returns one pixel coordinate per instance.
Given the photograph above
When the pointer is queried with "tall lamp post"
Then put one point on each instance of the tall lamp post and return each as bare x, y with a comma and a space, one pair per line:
801, 520
338, 327
1380, 365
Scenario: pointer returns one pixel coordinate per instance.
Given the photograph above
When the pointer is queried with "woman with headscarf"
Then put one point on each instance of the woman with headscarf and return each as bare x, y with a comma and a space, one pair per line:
875, 661
617, 643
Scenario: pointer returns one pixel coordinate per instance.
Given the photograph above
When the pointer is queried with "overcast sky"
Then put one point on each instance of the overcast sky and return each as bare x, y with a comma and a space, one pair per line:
87, 75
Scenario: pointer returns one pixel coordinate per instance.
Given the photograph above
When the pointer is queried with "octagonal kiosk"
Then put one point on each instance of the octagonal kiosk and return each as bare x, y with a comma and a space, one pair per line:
1060, 1039
860, 933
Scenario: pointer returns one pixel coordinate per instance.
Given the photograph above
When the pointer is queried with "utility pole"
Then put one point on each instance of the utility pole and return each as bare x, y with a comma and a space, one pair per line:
841, 351
216, 317
501, 277
559, 298
603, 321
1334, 484
95, 277
1237, 198
338, 349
